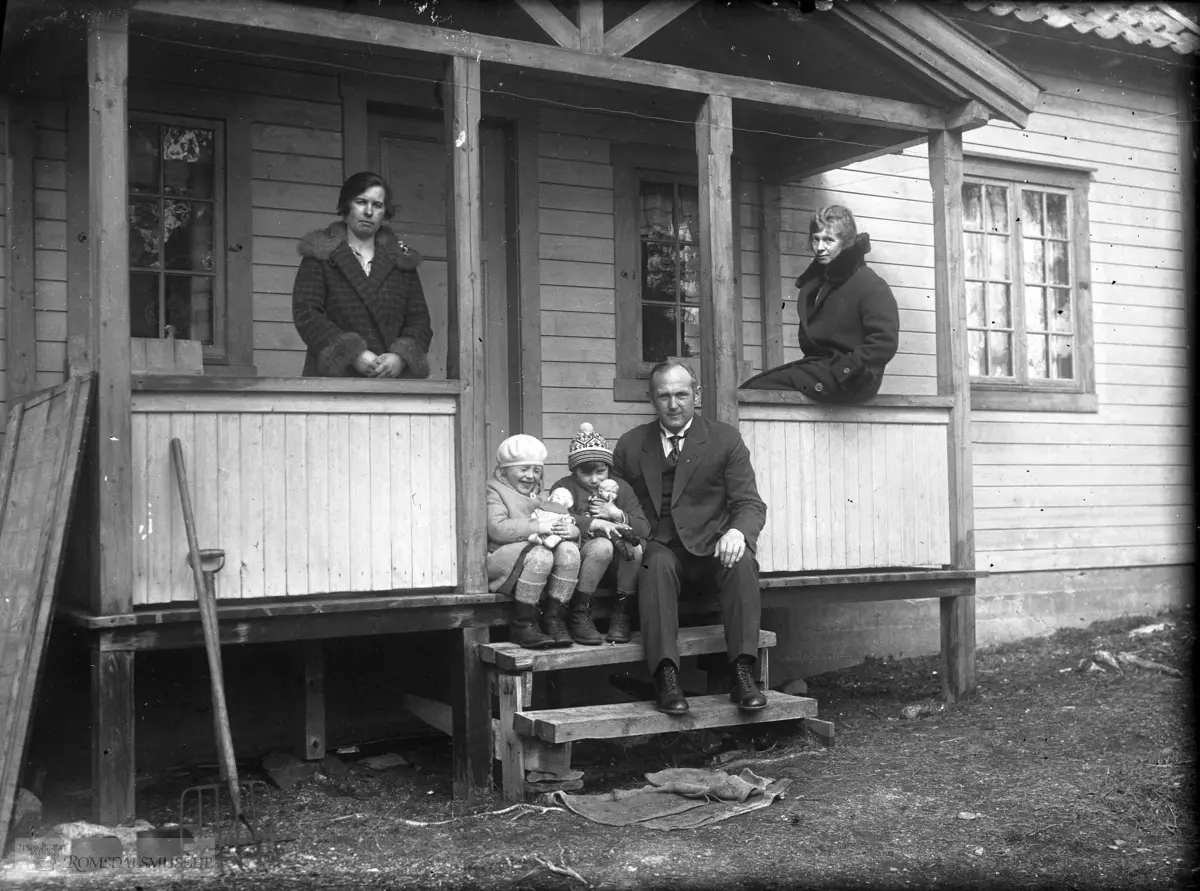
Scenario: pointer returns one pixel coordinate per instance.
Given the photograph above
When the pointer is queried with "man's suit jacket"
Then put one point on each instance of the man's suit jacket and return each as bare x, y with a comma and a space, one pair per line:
714, 483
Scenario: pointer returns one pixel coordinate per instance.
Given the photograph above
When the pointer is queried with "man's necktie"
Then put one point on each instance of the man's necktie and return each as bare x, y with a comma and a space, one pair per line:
673, 457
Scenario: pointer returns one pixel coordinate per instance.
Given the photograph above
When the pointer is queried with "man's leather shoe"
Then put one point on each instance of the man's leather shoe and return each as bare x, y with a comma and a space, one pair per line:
668, 695
745, 691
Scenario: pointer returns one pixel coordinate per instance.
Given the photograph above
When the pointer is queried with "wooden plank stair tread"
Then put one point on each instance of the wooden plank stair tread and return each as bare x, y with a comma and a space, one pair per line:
640, 718
692, 642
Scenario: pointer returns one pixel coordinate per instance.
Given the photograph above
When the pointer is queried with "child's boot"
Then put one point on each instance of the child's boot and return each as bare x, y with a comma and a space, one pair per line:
552, 623
620, 626
579, 621
524, 630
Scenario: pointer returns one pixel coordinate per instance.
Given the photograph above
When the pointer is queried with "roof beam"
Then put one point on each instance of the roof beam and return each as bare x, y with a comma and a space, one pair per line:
317, 25
643, 24
553, 22
591, 26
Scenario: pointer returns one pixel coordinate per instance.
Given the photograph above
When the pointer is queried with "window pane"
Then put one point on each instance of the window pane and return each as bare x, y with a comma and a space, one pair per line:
997, 247
143, 157
999, 306
1062, 320
659, 332
997, 209
188, 235
975, 262
658, 271
1034, 250
689, 274
689, 213
691, 331
976, 309
189, 306
1059, 268
1035, 355
1000, 354
1056, 216
188, 165
1035, 309
657, 209
145, 230
1062, 362
972, 206
143, 304
1032, 222
975, 356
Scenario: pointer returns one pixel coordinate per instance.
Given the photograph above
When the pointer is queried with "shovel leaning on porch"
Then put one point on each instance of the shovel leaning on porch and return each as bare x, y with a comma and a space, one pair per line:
204, 564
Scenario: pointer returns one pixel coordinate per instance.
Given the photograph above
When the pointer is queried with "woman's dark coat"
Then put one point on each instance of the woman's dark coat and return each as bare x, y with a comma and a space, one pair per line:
340, 311
849, 330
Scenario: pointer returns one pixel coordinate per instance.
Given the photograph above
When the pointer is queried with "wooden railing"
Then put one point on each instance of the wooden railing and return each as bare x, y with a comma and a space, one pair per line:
851, 487
309, 486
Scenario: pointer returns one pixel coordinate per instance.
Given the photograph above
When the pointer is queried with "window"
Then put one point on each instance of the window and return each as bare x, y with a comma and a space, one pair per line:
1027, 271
175, 223
669, 222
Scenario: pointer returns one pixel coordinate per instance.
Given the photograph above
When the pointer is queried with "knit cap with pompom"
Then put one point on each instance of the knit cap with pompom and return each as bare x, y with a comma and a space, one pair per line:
520, 449
588, 445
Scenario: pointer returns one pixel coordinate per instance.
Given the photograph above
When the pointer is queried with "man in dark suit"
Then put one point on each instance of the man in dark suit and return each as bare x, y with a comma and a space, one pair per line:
695, 483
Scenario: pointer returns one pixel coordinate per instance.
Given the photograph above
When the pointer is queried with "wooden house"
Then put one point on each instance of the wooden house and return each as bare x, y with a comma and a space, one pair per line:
544, 155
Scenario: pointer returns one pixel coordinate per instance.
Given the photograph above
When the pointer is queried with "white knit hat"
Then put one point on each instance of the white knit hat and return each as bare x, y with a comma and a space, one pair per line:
521, 449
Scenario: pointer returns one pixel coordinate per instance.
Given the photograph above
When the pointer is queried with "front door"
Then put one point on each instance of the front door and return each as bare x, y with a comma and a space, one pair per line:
408, 152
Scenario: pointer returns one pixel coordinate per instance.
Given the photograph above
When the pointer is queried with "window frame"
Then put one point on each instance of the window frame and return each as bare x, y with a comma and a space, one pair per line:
1009, 394
218, 350
233, 246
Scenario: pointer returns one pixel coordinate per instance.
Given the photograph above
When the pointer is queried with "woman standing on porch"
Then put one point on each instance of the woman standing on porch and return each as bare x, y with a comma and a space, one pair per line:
357, 301
849, 322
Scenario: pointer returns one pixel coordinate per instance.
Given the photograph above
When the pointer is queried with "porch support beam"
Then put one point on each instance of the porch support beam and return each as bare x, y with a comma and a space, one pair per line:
553, 22
644, 24
20, 310
719, 310
108, 236
591, 26
309, 24
464, 224
957, 613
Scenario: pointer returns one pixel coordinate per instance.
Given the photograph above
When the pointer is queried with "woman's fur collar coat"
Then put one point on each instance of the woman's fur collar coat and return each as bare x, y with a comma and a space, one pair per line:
340, 311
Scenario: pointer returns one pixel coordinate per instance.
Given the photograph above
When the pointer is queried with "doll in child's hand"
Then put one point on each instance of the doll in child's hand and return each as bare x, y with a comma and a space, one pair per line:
606, 492
555, 509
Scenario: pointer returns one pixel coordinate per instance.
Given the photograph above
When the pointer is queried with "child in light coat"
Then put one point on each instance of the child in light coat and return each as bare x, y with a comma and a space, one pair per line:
528, 571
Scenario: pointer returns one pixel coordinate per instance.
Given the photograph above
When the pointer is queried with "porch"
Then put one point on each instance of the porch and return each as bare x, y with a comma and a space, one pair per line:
871, 501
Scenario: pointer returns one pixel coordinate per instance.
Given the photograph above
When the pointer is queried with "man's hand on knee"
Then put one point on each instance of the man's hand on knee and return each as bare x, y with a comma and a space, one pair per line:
731, 548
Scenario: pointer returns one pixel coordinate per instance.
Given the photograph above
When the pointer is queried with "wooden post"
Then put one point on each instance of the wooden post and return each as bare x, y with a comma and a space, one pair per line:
591, 26
20, 334
770, 274
108, 235
525, 347
81, 328
464, 224
1185, 118
113, 707
719, 316
957, 613
312, 665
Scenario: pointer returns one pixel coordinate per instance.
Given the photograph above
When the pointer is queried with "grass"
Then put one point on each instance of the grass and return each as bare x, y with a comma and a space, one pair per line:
1048, 777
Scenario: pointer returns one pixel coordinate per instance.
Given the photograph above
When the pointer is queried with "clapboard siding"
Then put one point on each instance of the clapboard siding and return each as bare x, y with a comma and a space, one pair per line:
299, 493
50, 243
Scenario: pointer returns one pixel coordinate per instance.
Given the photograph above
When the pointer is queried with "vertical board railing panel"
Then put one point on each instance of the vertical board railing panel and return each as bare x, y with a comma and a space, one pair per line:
310, 498
850, 488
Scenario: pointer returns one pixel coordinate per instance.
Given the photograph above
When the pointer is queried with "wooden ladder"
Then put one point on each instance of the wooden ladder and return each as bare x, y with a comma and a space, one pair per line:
540, 740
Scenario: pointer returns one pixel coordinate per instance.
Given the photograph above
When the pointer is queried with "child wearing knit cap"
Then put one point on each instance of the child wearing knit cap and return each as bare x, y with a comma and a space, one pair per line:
515, 565
611, 530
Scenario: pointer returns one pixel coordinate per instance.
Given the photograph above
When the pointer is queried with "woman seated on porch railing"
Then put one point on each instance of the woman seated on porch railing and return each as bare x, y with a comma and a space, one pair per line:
357, 301
849, 323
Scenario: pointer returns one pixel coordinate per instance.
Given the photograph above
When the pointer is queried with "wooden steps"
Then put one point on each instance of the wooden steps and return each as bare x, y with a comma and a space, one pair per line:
541, 740
640, 718
692, 642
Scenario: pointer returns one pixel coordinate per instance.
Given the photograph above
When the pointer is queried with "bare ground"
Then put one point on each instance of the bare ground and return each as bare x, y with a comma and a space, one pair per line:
1049, 777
